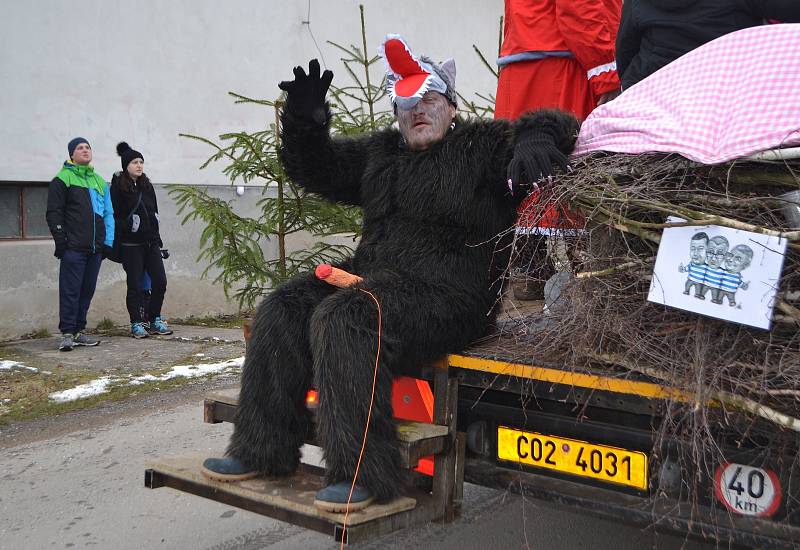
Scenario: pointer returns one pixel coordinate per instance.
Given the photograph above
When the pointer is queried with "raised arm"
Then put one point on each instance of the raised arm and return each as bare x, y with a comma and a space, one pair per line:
329, 167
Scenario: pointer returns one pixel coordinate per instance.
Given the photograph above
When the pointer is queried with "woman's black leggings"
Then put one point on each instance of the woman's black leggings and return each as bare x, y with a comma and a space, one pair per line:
135, 260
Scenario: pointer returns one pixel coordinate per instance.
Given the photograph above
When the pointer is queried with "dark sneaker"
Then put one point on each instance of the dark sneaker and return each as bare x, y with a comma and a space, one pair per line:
159, 326
227, 469
333, 498
82, 340
138, 331
67, 342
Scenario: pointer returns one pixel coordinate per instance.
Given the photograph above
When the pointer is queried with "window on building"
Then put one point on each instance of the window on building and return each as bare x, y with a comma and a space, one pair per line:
22, 209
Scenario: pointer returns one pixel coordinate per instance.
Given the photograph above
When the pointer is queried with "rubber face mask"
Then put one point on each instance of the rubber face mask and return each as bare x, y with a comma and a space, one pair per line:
427, 121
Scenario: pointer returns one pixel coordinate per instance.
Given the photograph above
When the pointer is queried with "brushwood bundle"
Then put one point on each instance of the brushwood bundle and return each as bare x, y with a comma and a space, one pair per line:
730, 374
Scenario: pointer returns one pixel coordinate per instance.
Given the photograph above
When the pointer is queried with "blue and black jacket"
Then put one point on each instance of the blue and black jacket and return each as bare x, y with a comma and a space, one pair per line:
79, 210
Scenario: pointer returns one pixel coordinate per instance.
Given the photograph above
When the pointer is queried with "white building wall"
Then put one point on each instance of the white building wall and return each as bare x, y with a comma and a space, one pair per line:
146, 71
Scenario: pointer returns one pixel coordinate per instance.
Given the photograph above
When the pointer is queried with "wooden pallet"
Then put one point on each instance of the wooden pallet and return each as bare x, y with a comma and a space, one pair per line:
291, 499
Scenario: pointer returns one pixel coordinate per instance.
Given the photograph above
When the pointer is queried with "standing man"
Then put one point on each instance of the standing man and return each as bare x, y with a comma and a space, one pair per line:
555, 54
81, 219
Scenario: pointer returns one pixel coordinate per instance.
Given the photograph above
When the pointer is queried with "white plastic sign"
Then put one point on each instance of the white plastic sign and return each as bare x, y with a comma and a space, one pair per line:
721, 272
747, 490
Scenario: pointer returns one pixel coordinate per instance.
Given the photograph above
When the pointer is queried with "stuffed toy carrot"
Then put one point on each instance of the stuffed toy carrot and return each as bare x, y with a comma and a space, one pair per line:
335, 276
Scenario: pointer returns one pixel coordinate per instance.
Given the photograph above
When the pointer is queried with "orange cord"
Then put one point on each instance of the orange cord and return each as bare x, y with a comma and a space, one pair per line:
369, 416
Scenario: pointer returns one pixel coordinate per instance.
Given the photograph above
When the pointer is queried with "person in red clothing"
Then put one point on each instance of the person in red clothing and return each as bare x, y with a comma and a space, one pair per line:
555, 54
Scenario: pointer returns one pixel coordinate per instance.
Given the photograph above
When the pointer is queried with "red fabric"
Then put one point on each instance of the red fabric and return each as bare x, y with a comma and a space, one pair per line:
554, 82
587, 29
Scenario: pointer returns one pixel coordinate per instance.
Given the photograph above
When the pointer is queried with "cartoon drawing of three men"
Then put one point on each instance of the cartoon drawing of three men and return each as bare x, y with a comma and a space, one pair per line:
712, 266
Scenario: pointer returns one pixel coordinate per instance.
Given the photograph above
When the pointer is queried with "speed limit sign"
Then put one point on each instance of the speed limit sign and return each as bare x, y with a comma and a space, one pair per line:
747, 490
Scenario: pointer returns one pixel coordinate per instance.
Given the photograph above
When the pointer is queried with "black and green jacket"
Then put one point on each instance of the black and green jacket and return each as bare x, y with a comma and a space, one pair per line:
79, 210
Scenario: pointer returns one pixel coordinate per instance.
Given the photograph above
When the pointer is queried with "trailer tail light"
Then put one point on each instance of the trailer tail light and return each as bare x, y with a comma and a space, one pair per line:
312, 399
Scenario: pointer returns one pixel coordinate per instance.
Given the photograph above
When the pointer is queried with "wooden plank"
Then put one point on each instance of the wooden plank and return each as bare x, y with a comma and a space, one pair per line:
416, 439
413, 432
461, 455
292, 495
229, 397
444, 464
407, 431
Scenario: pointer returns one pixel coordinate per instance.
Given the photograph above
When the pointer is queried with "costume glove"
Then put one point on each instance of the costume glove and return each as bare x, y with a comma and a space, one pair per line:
535, 155
305, 95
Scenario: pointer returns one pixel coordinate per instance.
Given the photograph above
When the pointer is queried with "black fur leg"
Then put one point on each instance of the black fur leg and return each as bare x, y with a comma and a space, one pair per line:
344, 344
271, 420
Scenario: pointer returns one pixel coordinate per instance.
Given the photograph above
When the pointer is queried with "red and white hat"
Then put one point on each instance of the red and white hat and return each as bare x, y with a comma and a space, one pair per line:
409, 77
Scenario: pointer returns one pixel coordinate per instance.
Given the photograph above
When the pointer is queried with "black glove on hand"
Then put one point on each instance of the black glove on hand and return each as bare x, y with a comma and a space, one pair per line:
61, 247
305, 95
108, 252
535, 154
164, 253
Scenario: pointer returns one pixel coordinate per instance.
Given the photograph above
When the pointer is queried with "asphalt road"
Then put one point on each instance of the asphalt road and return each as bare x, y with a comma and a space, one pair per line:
77, 482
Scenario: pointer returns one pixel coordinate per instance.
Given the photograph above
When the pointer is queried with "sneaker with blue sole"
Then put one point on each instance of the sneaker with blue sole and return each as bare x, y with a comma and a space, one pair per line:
158, 326
138, 330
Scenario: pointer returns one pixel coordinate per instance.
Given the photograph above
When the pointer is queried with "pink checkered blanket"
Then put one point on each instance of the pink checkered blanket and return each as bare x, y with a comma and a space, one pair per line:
732, 97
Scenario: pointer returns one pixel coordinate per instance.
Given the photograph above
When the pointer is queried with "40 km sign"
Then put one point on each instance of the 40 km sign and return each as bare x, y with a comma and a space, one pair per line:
747, 490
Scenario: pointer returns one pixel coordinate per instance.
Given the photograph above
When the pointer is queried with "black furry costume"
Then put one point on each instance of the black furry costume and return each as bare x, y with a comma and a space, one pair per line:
429, 252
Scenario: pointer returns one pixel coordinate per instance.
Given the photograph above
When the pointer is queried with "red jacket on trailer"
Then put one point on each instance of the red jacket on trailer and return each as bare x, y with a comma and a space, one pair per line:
567, 44
556, 54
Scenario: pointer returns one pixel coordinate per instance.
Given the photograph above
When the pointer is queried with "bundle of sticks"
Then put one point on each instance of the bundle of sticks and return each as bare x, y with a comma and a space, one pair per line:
604, 317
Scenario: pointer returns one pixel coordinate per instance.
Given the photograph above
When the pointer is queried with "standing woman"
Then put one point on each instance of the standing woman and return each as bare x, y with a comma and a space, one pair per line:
136, 216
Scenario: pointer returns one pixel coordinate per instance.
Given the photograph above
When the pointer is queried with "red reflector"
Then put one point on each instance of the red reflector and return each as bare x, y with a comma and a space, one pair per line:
425, 466
312, 397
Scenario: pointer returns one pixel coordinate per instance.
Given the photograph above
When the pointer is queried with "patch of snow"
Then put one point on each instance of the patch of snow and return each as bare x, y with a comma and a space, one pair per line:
193, 371
199, 354
187, 371
83, 391
6, 364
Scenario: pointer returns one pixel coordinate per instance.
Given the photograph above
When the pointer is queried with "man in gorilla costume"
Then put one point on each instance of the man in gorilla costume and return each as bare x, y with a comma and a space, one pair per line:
435, 196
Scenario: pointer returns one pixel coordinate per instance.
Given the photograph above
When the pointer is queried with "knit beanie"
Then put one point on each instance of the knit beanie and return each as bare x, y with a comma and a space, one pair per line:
127, 154
73, 143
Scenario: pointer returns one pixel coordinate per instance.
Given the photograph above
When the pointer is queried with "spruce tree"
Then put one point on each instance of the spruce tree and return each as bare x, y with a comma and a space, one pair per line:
231, 243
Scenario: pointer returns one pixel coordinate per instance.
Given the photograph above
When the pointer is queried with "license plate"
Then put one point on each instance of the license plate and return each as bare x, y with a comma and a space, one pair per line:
572, 456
